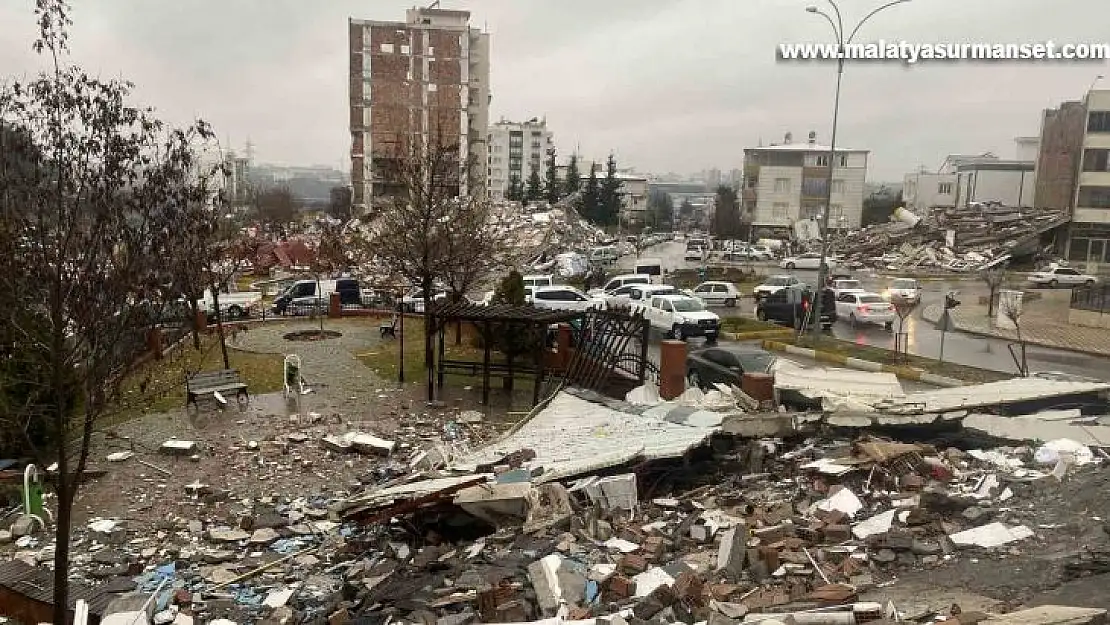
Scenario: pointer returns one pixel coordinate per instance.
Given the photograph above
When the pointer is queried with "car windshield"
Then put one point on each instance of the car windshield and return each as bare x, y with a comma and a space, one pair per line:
778, 282
756, 361
870, 299
848, 284
904, 284
687, 305
667, 291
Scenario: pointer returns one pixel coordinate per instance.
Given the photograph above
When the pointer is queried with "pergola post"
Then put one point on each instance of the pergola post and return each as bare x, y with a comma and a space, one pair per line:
485, 362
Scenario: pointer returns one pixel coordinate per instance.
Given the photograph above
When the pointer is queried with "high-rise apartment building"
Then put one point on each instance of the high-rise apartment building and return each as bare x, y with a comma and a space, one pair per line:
426, 79
515, 151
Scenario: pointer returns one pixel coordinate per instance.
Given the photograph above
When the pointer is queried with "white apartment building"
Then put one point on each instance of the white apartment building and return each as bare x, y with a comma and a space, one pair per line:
516, 149
963, 179
1089, 236
789, 181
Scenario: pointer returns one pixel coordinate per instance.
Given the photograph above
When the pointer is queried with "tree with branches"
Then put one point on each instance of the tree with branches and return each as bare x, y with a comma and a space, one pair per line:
515, 192
726, 214
276, 207
573, 182
91, 190
416, 238
610, 195
589, 204
340, 203
553, 188
534, 192
475, 250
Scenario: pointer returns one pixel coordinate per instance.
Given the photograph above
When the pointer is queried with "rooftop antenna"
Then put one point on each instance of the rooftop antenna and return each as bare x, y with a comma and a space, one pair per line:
433, 5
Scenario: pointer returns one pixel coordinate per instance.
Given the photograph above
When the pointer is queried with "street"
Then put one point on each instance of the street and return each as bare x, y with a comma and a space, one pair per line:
923, 338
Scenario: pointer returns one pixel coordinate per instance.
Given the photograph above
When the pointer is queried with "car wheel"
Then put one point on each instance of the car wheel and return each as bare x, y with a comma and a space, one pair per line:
888, 326
731, 302
1053, 283
790, 266
1089, 283
234, 312
693, 380
676, 333
761, 314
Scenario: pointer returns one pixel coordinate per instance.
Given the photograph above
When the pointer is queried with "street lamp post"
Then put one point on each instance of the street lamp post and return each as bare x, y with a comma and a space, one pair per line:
841, 42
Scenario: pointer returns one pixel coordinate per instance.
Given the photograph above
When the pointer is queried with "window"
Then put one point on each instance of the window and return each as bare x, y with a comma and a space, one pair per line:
705, 288
822, 160
779, 211
815, 187
782, 185
387, 48
406, 49
837, 211
944, 188
811, 212
433, 87
838, 187
1098, 121
1096, 160
431, 51
1094, 197
1061, 271
720, 288
841, 160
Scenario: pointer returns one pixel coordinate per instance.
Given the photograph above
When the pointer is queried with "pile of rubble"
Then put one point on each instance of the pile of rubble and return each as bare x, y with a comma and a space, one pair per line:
978, 237
592, 509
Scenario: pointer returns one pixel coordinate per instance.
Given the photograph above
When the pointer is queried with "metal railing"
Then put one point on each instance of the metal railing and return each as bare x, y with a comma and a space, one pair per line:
1091, 298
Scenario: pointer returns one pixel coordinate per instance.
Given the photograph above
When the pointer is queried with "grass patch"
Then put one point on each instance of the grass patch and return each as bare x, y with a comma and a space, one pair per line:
159, 385
888, 357
746, 324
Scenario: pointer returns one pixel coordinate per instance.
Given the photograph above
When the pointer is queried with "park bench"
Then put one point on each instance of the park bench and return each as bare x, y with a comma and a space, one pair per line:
389, 328
213, 382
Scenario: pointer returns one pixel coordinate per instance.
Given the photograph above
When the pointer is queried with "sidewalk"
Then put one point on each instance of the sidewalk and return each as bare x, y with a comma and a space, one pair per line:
1036, 329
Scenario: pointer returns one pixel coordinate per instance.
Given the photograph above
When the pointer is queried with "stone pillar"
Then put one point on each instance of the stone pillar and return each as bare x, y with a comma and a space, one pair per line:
201, 321
672, 369
335, 307
154, 342
562, 344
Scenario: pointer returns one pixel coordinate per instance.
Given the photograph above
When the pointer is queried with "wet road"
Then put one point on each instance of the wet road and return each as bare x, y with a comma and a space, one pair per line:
923, 338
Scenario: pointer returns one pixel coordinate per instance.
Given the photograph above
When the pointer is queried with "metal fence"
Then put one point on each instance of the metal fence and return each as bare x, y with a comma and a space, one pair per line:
1092, 298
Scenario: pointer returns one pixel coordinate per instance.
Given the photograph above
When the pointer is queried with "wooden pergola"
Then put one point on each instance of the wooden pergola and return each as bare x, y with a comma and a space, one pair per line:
488, 319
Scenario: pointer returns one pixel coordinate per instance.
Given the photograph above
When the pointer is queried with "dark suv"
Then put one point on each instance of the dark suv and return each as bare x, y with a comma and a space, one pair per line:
789, 306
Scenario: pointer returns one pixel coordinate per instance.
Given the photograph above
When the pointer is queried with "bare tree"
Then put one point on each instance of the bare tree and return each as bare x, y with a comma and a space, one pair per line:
994, 278
85, 217
413, 236
276, 207
1012, 311
903, 308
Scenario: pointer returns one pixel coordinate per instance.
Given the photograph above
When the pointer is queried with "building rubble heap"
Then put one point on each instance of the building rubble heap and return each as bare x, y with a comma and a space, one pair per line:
798, 530
985, 235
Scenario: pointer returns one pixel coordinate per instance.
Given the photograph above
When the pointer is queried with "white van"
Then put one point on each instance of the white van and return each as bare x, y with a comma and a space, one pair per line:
605, 254
537, 280
617, 282
651, 267
316, 293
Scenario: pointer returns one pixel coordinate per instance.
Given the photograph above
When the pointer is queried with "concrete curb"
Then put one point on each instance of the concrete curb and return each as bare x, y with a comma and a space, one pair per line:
781, 333
1028, 341
903, 373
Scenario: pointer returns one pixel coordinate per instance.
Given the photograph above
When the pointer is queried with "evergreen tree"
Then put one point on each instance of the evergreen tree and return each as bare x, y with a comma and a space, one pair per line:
514, 192
726, 214
534, 191
589, 203
610, 198
552, 188
660, 210
573, 181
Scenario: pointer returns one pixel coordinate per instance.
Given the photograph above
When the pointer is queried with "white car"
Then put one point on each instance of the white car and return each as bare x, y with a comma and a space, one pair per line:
639, 295
715, 293
694, 254
1055, 275
413, 301
809, 260
619, 281
774, 284
840, 287
859, 308
563, 297
760, 252
680, 317
905, 290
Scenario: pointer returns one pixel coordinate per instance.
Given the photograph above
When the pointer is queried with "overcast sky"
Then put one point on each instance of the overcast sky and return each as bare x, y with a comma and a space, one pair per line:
668, 85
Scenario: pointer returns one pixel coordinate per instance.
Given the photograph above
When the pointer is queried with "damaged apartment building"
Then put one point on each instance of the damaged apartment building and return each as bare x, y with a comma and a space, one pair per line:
427, 76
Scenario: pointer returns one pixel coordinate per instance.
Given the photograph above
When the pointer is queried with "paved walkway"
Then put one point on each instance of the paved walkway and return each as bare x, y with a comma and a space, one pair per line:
1038, 327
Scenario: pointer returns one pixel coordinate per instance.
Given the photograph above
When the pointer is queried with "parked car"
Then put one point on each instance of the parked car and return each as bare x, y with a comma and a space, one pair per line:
563, 297
694, 253
865, 308
736, 255
234, 305
539, 279
413, 301
1055, 275
726, 365
846, 285
774, 284
639, 295
760, 252
715, 293
791, 306
906, 290
618, 281
307, 294
681, 317
809, 260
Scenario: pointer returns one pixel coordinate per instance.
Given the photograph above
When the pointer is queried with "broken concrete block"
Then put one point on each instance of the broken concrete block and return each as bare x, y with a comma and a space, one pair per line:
227, 535
497, 504
733, 550
336, 443
25, 525
548, 507
370, 444
263, 536
174, 447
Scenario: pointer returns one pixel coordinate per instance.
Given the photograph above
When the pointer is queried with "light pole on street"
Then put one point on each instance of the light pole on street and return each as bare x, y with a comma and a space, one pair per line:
838, 32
